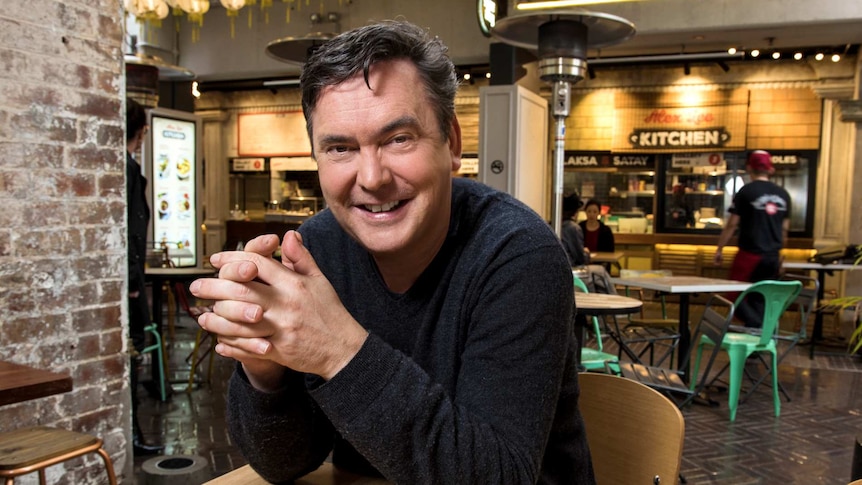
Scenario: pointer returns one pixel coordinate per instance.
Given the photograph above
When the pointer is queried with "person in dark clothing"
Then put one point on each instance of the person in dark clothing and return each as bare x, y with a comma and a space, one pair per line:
679, 212
419, 327
571, 234
761, 211
597, 236
138, 217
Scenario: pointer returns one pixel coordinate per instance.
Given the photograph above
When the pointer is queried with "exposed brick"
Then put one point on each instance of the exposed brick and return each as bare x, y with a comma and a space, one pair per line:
5, 243
30, 155
96, 319
113, 136
110, 185
57, 242
111, 238
17, 183
40, 124
102, 212
92, 157
86, 346
112, 341
35, 328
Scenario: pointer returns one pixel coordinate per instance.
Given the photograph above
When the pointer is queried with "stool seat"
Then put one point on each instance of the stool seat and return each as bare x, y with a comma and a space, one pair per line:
27, 450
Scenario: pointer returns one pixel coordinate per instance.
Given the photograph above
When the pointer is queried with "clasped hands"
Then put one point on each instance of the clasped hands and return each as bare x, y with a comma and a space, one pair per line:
272, 315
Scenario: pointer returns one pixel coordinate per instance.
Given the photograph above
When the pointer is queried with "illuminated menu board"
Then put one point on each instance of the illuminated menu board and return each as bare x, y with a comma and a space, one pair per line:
174, 188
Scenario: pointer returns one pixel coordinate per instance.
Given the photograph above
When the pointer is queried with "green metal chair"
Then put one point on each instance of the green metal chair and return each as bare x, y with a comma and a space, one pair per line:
596, 359
739, 346
156, 349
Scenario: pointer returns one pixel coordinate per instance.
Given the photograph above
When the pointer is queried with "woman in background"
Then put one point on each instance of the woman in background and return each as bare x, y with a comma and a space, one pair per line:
597, 236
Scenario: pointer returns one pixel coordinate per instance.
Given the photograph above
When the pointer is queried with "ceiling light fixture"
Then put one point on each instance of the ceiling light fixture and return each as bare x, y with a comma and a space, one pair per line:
776, 55
550, 4
818, 56
797, 56
755, 52
731, 51
836, 57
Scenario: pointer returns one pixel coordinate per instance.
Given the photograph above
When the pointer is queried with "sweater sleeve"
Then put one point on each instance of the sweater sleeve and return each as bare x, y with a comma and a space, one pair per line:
282, 434
494, 428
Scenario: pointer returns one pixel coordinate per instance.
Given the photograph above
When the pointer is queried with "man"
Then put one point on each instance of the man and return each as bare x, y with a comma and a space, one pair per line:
138, 216
420, 326
571, 234
761, 211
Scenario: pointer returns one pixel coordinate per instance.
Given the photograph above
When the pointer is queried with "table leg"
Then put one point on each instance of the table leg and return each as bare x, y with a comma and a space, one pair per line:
817, 331
580, 329
684, 336
156, 317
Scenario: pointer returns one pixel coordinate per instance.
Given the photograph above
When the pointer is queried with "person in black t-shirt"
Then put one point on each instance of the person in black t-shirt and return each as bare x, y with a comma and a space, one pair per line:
761, 211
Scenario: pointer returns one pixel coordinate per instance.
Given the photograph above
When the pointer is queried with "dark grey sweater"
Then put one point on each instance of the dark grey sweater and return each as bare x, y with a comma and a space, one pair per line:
468, 377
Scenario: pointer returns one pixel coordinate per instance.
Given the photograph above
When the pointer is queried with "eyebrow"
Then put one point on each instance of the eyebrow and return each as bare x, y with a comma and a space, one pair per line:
402, 122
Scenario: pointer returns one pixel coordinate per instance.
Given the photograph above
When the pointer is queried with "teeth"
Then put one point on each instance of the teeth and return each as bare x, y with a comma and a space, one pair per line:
382, 208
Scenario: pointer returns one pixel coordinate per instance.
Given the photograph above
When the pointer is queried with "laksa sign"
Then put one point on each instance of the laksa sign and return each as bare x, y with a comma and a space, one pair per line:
675, 122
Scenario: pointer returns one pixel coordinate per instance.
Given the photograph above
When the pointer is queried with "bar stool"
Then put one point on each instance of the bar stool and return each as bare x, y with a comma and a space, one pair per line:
29, 450
156, 348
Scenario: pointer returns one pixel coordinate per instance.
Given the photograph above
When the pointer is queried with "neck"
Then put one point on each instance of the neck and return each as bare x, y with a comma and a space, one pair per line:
400, 270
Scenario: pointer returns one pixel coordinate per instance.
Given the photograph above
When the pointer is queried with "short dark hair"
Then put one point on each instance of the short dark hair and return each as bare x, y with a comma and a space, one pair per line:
571, 205
593, 202
136, 118
357, 50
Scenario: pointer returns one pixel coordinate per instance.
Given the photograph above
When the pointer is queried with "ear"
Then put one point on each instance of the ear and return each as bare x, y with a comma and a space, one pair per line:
455, 143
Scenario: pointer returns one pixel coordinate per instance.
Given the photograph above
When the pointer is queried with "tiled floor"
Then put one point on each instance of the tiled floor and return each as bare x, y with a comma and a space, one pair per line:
811, 443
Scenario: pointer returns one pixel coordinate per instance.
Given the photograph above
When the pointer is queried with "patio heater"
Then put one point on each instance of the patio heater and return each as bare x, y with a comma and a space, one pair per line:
562, 37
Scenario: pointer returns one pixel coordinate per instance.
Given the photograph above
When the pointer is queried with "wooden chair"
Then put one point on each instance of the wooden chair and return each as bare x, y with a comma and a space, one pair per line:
31, 450
635, 433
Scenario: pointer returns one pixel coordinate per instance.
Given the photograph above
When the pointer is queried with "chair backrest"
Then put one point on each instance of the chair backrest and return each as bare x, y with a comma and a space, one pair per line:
580, 285
777, 296
806, 301
716, 319
635, 433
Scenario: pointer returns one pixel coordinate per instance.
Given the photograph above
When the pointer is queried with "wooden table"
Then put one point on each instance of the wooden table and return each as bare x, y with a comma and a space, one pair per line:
325, 475
607, 258
821, 269
594, 304
21, 383
683, 286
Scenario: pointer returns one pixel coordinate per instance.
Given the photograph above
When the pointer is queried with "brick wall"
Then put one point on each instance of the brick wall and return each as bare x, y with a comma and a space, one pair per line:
62, 218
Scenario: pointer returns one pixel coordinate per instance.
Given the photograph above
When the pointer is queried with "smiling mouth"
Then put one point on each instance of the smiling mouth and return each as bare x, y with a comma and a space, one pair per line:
383, 207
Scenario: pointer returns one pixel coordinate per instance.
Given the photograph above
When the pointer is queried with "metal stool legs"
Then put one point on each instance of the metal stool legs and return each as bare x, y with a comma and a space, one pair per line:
157, 348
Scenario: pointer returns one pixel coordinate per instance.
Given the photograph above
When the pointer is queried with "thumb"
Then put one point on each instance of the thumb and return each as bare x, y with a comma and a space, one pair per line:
296, 257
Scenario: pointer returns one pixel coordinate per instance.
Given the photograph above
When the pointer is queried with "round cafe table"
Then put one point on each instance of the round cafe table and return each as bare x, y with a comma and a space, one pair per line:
595, 304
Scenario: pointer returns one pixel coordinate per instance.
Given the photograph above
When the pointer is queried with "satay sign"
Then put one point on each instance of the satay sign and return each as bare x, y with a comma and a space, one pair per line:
675, 123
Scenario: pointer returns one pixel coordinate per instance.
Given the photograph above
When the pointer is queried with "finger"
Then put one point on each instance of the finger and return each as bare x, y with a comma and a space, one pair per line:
240, 271
212, 322
264, 245
243, 348
225, 289
294, 253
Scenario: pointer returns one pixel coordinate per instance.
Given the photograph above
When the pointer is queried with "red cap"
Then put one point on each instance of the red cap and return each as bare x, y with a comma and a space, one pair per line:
760, 161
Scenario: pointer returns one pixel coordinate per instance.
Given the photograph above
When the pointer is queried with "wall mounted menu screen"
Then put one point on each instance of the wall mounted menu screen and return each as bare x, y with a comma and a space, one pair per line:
174, 188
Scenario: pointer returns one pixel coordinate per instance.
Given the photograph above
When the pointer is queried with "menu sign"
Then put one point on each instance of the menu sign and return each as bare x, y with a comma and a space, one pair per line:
680, 122
174, 182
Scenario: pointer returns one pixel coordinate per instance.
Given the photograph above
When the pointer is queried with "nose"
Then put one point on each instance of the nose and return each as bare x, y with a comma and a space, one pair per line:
373, 171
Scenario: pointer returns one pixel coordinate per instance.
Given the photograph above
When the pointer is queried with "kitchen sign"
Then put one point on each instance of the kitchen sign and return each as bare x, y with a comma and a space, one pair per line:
680, 122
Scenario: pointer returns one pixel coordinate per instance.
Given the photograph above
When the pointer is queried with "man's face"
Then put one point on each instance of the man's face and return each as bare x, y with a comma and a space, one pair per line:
384, 167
